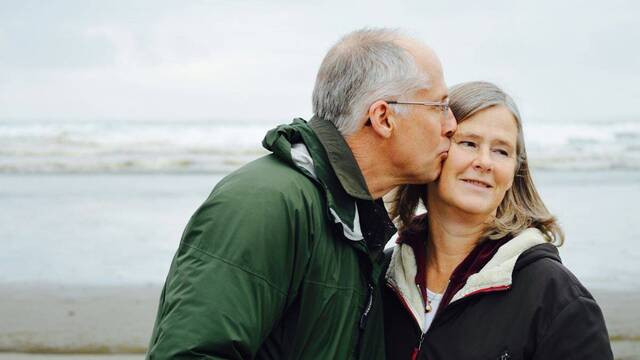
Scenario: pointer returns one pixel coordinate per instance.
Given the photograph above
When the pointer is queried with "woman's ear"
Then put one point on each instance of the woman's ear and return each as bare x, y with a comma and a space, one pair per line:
380, 119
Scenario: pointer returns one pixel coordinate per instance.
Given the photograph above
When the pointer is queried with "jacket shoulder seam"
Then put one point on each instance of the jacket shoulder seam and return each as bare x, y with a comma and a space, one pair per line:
239, 267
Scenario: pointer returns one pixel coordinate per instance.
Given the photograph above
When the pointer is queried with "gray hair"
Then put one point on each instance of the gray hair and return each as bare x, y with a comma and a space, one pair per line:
522, 207
363, 67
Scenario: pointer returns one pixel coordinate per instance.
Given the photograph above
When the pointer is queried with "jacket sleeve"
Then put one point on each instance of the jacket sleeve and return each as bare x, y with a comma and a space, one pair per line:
240, 256
577, 332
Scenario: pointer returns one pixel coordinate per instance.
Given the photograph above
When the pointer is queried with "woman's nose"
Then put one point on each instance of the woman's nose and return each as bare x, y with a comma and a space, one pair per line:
483, 161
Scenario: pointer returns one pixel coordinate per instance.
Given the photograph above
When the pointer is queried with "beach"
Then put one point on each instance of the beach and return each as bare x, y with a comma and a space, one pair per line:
85, 255
51, 322
118, 119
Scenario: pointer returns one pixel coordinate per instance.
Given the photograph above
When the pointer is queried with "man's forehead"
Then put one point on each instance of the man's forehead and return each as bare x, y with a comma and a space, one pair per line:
434, 93
424, 56
429, 63
438, 89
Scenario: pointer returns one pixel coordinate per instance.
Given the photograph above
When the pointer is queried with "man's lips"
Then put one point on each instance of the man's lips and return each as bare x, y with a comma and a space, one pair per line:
478, 182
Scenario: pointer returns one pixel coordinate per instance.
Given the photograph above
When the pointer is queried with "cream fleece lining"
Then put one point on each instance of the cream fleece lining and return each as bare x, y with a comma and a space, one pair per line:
496, 273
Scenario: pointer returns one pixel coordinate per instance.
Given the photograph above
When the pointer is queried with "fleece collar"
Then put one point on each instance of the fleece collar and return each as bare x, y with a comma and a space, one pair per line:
498, 272
493, 260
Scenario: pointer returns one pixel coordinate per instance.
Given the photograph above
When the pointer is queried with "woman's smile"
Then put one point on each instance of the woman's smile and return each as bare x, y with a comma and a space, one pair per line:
477, 184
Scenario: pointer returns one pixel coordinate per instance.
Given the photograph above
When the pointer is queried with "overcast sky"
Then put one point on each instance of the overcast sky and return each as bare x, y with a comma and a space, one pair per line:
257, 60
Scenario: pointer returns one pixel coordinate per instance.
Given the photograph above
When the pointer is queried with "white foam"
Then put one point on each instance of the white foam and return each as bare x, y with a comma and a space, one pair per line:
102, 146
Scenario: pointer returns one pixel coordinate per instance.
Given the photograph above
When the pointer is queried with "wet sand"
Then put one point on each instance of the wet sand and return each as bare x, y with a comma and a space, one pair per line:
72, 322
63, 319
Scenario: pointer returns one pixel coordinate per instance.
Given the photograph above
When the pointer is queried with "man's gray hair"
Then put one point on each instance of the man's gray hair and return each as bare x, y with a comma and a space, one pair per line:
363, 67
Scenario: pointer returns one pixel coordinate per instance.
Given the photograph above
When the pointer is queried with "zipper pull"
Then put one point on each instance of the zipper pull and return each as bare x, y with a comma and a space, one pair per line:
414, 356
367, 309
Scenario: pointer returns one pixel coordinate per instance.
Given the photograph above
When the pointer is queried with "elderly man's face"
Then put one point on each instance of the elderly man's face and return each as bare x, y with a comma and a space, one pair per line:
423, 132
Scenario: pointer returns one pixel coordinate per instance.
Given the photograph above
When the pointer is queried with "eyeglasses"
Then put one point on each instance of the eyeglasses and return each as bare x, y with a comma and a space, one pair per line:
443, 106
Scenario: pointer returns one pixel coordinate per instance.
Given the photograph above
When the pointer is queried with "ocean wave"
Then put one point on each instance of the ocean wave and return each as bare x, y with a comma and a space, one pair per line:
88, 147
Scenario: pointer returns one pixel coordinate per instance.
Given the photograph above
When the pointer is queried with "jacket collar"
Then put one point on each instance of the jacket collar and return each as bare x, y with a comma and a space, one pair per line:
489, 267
497, 271
299, 145
341, 158
377, 228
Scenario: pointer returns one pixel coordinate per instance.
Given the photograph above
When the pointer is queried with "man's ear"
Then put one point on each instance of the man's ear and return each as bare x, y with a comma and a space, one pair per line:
380, 119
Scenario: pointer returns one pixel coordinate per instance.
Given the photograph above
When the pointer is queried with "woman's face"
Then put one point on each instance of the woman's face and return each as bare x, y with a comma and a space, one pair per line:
481, 163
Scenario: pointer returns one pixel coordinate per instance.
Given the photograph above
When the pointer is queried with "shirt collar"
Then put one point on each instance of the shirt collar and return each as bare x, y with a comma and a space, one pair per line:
341, 158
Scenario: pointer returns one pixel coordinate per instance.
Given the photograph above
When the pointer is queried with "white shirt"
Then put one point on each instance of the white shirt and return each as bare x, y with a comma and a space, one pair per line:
434, 300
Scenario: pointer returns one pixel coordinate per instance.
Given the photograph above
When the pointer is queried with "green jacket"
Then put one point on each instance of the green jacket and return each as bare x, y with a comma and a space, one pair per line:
282, 261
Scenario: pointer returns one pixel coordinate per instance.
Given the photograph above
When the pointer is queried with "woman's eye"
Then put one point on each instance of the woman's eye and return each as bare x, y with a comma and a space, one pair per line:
467, 143
502, 152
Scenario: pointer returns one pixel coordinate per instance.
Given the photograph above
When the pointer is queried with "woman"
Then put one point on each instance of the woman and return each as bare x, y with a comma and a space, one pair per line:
478, 276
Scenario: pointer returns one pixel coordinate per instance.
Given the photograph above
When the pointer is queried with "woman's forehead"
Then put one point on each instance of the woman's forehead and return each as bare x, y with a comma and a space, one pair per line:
490, 124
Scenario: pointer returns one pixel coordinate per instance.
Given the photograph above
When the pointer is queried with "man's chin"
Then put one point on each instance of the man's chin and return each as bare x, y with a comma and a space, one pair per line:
435, 174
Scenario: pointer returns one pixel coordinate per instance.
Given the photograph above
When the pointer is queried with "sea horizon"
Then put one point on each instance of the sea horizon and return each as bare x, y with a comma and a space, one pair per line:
153, 146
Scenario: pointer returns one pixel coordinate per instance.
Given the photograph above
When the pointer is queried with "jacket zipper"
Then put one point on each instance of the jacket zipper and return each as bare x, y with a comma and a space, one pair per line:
416, 351
363, 319
367, 310
404, 303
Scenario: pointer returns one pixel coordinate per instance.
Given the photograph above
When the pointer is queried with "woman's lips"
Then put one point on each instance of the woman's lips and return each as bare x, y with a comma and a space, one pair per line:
478, 183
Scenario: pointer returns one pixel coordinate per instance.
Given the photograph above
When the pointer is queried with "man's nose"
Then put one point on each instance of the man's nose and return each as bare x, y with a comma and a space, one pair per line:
449, 124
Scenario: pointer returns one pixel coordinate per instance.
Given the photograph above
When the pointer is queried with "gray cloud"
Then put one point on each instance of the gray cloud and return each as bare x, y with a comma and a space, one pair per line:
257, 60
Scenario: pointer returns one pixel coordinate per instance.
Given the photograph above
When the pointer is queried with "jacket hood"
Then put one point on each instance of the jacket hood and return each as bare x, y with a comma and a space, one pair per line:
280, 139
494, 275
497, 273
535, 253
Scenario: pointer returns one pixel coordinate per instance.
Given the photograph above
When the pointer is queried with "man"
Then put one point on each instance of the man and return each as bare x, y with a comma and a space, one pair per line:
283, 260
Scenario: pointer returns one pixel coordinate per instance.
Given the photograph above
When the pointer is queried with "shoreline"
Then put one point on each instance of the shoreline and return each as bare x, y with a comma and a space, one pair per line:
55, 320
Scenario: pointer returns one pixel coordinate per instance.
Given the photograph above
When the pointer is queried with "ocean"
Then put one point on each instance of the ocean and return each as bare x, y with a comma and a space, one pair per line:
221, 146
105, 203
91, 215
